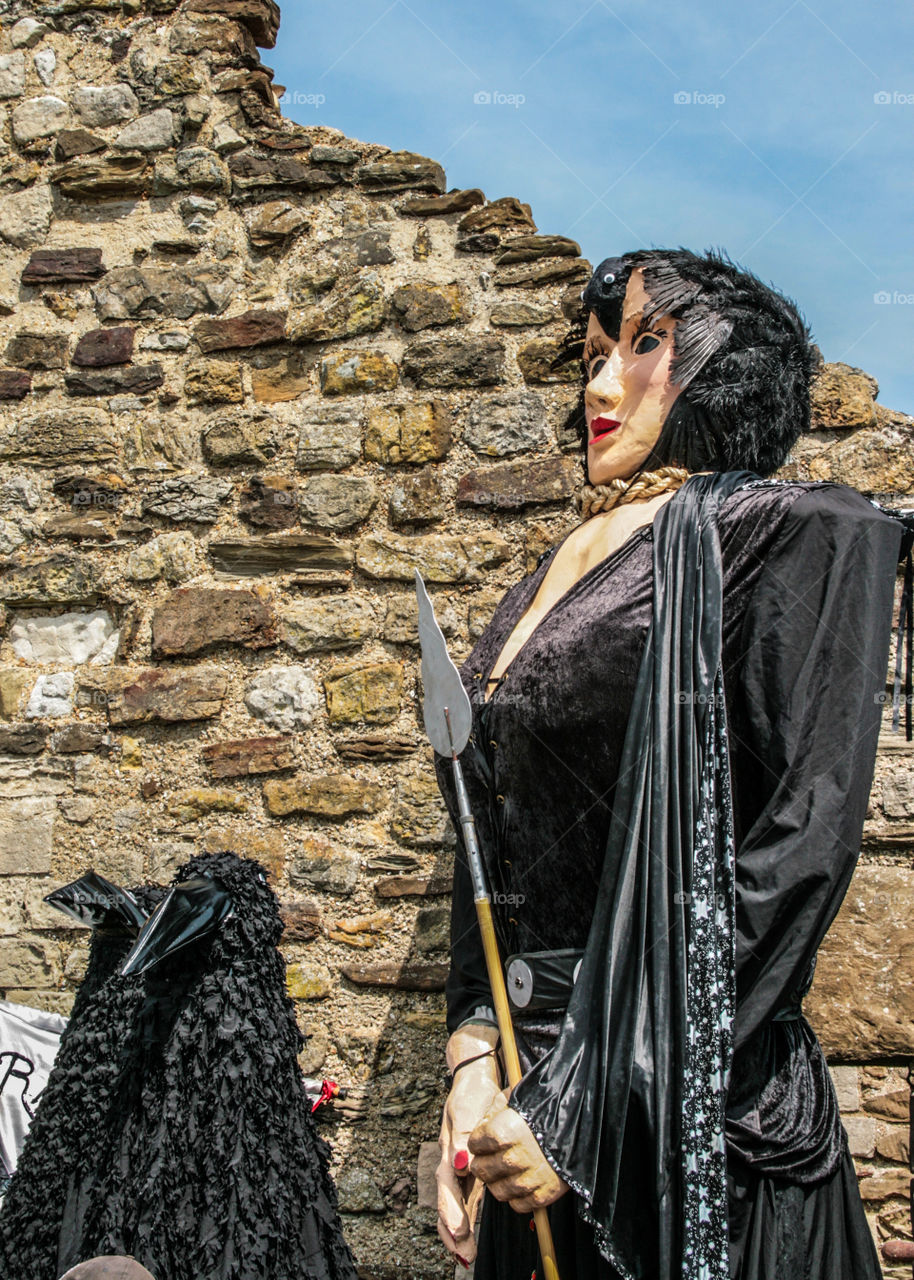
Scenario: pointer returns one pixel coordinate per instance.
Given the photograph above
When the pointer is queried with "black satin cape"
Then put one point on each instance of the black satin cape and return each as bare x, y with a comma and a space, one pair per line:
614, 1080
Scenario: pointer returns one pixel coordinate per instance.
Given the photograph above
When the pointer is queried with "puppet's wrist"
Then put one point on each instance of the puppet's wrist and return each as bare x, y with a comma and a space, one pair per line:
484, 1065
468, 1041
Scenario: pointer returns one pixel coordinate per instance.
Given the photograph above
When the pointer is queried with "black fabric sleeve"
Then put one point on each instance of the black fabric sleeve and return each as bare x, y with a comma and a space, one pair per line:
467, 986
814, 645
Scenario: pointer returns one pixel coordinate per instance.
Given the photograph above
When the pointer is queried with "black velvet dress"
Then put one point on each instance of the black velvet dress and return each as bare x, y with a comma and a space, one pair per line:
808, 575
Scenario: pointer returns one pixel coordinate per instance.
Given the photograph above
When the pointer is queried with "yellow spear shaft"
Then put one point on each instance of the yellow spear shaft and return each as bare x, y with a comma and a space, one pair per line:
512, 1061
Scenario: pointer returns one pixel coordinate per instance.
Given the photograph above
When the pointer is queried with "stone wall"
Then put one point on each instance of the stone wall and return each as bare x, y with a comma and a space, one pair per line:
250, 375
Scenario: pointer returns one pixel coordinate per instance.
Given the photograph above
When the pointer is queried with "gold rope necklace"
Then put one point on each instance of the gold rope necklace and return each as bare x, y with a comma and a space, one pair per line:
592, 500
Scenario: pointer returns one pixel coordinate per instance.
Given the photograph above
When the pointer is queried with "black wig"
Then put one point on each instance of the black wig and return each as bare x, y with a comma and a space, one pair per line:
741, 351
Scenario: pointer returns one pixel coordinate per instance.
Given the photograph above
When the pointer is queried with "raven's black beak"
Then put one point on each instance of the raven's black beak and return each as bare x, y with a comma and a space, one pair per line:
95, 901
192, 911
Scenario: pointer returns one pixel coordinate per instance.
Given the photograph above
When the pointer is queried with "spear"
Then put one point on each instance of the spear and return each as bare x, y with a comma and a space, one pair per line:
448, 723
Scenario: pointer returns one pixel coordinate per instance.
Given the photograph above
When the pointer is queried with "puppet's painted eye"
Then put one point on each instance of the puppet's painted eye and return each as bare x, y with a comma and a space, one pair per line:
644, 343
593, 366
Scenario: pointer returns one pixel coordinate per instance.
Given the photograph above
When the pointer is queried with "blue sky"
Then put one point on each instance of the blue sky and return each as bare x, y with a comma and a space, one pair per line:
782, 132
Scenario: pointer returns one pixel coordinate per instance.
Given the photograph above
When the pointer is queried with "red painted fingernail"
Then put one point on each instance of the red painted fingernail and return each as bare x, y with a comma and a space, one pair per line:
463, 1262
461, 1159
532, 1228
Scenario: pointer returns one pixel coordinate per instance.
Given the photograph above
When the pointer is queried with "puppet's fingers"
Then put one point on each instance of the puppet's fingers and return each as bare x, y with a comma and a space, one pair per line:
455, 1225
489, 1136
502, 1163
451, 1202
513, 1187
528, 1204
531, 1198
463, 1250
474, 1200
500, 1129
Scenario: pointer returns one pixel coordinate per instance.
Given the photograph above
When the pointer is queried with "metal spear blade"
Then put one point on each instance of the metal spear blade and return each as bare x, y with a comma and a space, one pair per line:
441, 683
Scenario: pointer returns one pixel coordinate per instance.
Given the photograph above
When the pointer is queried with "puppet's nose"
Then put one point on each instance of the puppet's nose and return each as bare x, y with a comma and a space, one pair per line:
95, 901
607, 385
191, 912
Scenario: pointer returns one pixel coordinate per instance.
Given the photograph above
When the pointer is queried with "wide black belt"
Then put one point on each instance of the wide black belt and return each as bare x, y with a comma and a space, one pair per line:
545, 979
542, 979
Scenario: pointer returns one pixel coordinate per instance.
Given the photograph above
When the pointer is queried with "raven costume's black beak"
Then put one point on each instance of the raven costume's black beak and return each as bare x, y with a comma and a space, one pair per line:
95, 901
192, 911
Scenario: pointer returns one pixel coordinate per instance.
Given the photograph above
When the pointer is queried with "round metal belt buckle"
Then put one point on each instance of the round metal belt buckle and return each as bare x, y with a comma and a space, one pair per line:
520, 983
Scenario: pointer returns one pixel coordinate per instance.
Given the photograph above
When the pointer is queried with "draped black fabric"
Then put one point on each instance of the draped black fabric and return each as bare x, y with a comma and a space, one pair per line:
803, 676
616, 1079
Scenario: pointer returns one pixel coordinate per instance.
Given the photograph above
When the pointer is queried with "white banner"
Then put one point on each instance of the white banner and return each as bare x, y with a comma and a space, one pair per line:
28, 1045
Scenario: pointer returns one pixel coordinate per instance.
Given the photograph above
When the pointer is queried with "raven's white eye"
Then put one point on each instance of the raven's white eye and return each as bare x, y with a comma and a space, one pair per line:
608, 278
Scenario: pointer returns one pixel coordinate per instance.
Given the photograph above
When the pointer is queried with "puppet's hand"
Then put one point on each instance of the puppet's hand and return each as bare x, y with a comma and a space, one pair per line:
459, 1193
510, 1161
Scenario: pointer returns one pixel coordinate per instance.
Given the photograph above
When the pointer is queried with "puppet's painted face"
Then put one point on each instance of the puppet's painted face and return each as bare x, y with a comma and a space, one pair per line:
628, 391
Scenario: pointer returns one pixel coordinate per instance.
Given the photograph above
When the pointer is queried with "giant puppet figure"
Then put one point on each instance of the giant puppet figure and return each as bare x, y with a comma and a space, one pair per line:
674, 735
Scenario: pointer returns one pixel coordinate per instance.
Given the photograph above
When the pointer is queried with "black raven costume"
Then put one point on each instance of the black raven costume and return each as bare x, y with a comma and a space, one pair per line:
57, 1176
201, 1158
670, 781
215, 1168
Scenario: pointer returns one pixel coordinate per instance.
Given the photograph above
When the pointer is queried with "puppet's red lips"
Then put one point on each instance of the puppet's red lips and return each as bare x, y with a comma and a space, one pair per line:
601, 427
